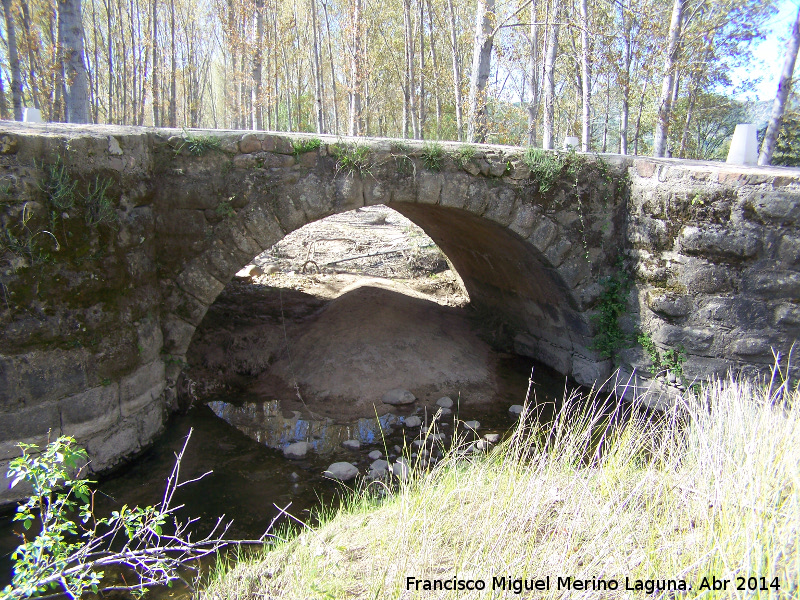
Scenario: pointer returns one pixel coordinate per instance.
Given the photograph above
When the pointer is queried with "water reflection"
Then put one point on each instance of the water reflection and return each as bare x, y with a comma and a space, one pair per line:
265, 423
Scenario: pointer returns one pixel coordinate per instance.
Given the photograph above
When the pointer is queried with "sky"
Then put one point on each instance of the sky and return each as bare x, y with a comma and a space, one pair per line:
769, 54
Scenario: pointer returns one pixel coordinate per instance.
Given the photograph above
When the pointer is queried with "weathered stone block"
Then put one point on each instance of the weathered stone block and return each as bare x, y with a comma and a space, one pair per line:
39, 377
553, 356
588, 372
279, 144
90, 412
349, 192
32, 425
544, 233
720, 242
649, 232
262, 226
708, 278
184, 223
177, 334
150, 339
198, 282
779, 207
752, 347
249, 143
558, 251
429, 187
787, 315
696, 340
668, 303
772, 284
141, 388
524, 218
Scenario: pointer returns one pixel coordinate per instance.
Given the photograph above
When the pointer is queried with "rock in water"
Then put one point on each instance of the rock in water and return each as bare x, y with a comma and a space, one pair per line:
516, 410
474, 425
397, 397
379, 467
492, 438
343, 471
413, 421
297, 450
375, 455
351, 444
401, 470
445, 402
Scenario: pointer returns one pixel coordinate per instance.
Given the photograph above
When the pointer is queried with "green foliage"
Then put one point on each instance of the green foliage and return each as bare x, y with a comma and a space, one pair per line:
99, 207
787, 146
464, 154
198, 145
225, 210
671, 360
546, 167
41, 564
302, 146
432, 156
397, 147
72, 546
612, 304
352, 158
26, 241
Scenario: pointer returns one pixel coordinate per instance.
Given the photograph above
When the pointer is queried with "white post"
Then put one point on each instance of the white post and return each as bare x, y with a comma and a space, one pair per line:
31, 115
571, 143
744, 145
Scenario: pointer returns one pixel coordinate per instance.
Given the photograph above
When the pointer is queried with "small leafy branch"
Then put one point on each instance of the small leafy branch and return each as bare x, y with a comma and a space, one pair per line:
609, 337
302, 146
352, 158
670, 361
225, 209
149, 543
433, 156
99, 207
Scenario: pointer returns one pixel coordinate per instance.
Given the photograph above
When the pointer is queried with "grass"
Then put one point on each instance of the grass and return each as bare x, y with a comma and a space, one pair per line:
708, 490
353, 158
464, 154
198, 145
305, 145
432, 156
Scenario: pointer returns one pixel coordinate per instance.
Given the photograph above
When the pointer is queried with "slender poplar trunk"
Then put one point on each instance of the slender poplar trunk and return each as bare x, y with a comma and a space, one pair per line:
549, 78
784, 86
13, 61
317, 74
459, 101
478, 124
533, 76
586, 80
173, 90
670, 62
71, 28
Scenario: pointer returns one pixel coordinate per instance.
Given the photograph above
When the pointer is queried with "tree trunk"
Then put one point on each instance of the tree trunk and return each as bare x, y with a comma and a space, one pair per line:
477, 126
421, 102
3, 102
173, 90
26, 24
258, 94
456, 72
71, 27
639, 119
13, 61
625, 76
549, 78
670, 61
435, 64
333, 72
356, 72
533, 76
156, 94
317, 72
586, 80
779, 106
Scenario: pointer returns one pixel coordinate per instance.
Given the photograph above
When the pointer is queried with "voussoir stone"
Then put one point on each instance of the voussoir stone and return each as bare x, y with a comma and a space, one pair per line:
398, 397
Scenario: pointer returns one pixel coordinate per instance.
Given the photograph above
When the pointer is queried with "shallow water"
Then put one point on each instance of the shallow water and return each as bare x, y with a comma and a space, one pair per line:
238, 440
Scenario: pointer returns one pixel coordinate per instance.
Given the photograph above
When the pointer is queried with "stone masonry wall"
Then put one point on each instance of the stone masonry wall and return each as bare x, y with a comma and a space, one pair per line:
101, 288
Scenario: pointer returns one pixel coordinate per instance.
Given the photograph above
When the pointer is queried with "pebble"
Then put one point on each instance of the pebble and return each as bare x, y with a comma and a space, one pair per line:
445, 402
375, 455
294, 476
343, 471
516, 409
271, 269
492, 438
483, 445
297, 450
401, 470
378, 468
351, 444
398, 396
397, 449
413, 421
446, 411
472, 425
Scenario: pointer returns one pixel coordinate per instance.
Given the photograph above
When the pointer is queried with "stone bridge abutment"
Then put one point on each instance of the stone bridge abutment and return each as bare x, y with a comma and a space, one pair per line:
117, 240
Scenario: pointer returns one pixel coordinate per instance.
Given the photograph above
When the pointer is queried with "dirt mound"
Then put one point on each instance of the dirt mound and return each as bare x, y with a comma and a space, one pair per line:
374, 338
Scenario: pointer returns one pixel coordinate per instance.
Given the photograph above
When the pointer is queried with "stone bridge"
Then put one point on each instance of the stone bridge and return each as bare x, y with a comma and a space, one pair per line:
116, 241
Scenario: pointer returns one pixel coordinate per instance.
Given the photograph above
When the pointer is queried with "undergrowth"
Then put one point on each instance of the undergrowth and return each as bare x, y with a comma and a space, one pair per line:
665, 501
305, 145
432, 156
198, 144
352, 158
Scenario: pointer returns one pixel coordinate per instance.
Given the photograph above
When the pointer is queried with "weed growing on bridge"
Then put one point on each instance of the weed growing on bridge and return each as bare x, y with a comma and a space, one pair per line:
612, 304
464, 154
198, 145
302, 146
432, 156
99, 207
546, 167
353, 158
